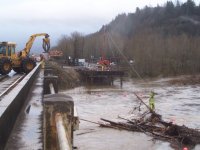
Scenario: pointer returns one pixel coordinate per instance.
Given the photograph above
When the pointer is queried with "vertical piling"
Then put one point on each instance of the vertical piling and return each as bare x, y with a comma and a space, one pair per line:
121, 81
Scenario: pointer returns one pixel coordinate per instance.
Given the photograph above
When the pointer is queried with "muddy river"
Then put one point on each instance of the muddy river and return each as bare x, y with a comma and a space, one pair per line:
177, 103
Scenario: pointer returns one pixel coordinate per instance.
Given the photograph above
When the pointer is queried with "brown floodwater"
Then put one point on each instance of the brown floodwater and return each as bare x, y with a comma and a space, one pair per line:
177, 103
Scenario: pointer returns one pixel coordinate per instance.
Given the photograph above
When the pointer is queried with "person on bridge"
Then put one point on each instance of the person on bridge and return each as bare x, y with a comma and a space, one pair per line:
152, 101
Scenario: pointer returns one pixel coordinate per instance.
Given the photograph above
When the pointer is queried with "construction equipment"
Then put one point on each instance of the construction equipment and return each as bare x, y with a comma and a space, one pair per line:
20, 62
103, 62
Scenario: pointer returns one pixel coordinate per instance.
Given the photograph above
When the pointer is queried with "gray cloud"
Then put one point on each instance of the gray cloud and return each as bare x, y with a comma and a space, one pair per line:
21, 18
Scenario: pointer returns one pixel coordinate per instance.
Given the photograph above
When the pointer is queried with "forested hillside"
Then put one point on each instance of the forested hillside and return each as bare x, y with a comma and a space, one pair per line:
162, 40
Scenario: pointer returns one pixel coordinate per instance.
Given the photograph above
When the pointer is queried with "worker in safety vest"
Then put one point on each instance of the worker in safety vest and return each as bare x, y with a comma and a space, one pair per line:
152, 101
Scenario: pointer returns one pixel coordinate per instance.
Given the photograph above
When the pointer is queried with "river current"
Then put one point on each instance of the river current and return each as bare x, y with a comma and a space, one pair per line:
177, 103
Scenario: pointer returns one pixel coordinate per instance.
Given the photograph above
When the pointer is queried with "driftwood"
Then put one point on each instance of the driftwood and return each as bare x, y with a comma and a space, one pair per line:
178, 136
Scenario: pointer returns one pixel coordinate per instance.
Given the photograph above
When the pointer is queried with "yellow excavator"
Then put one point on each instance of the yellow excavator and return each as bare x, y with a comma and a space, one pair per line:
20, 62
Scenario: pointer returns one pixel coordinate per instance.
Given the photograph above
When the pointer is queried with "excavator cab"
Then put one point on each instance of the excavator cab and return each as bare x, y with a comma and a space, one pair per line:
7, 49
7, 52
3, 48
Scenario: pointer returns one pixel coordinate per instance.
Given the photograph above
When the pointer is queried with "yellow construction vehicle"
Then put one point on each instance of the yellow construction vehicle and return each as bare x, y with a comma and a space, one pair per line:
20, 62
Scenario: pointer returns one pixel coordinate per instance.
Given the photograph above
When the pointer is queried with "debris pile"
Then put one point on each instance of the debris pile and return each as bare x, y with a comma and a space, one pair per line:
67, 78
152, 124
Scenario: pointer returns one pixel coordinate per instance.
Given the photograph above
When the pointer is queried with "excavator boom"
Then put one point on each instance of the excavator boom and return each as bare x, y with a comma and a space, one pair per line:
29, 44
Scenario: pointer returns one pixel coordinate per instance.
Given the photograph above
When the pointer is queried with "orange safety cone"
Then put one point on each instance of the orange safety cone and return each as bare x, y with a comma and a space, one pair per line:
185, 148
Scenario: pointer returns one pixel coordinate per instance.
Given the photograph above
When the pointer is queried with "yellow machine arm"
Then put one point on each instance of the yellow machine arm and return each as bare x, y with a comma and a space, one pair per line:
29, 44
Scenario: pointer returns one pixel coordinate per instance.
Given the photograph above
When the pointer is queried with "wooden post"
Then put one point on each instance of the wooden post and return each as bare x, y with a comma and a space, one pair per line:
112, 83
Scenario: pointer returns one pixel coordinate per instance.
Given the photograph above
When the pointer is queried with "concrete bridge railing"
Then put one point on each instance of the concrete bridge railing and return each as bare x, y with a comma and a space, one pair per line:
11, 105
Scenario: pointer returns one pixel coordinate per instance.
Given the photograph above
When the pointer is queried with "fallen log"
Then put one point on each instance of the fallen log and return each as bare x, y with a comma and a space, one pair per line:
136, 127
143, 126
100, 124
121, 125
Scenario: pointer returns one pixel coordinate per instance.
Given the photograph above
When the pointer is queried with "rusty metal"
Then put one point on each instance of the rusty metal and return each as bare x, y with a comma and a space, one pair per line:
62, 136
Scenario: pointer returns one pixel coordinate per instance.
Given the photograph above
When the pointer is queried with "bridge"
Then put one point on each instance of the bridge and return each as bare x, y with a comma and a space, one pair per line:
33, 115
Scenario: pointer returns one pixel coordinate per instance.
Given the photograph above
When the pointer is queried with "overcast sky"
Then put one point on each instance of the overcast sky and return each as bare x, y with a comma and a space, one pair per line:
21, 18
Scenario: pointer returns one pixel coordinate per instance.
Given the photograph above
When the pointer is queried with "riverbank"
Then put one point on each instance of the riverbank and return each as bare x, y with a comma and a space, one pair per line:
68, 78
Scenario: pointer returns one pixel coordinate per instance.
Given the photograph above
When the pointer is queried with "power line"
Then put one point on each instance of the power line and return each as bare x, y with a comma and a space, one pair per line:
125, 58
